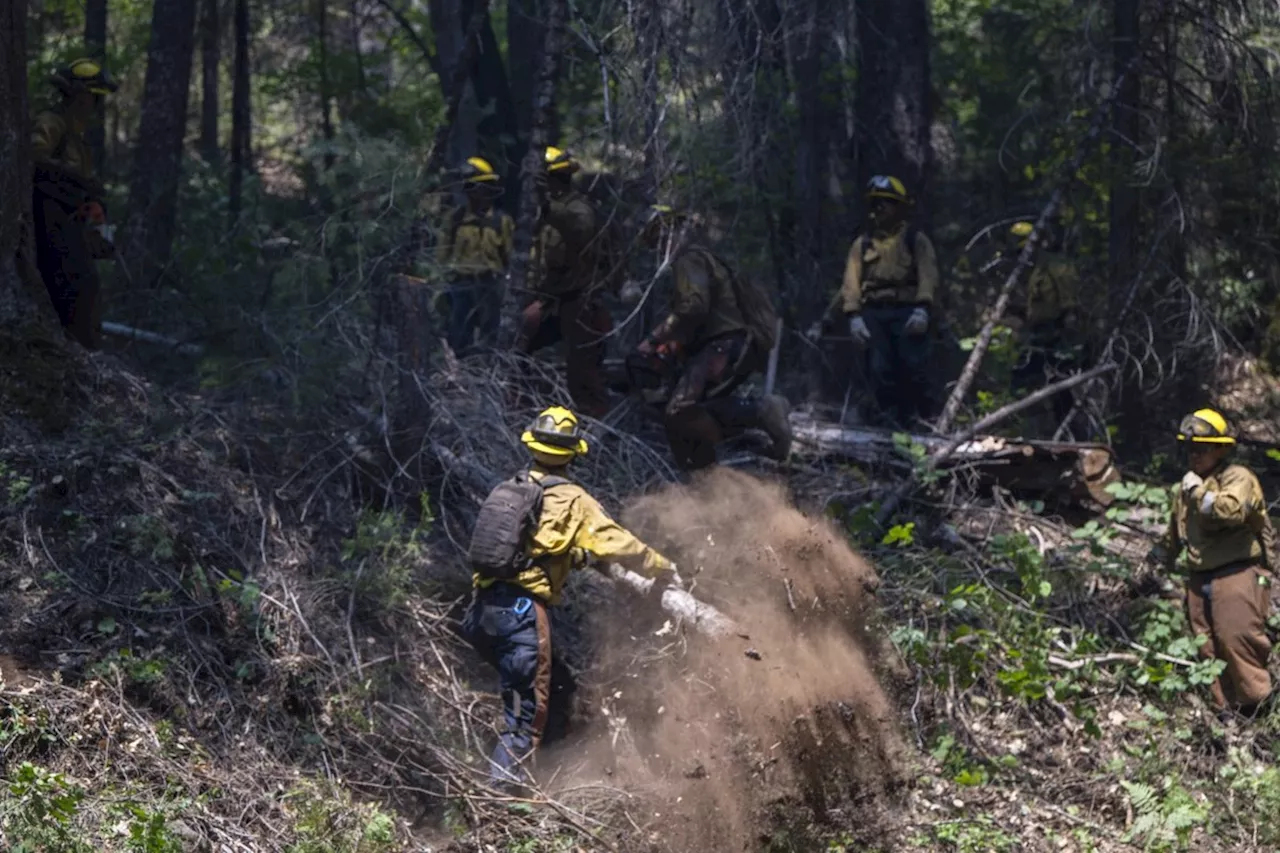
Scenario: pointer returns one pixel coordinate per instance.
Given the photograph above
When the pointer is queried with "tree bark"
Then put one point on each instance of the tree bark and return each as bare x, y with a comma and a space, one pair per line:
210, 59
241, 116
812, 150
153, 191
1124, 214
499, 134
18, 308
647, 25
326, 91
526, 35
534, 164
95, 45
893, 96
451, 140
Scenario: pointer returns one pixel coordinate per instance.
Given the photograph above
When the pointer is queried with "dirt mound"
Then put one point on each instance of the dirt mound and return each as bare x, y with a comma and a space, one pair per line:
784, 722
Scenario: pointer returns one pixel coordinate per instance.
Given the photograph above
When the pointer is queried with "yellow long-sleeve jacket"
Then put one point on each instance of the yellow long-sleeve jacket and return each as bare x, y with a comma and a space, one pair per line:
881, 269
478, 243
563, 251
704, 304
53, 141
572, 527
1235, 528
1053, 290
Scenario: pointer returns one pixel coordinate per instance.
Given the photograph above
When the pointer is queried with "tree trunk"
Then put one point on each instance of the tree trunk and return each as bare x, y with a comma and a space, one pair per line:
526, 34
153, 191
210, 58
498, 132
241, 118
647, 25
1123, 237
534, 164
812, 150
893, 95
95, 45
326, 92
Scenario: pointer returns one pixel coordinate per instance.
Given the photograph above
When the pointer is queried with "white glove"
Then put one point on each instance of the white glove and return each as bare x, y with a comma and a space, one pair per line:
675, 581
918, 322
814, 332
859, 332
1207, 502
1191, 481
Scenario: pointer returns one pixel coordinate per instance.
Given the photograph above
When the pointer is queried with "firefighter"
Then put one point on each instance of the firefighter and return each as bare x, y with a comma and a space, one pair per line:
508, 622
1047, 322
890, 279
1220, 517
67, 200
565, 305
475, 254
718, 332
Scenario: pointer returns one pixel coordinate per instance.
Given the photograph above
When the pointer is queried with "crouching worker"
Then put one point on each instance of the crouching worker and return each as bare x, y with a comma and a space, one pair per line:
718, 332
532, 531
1220, 516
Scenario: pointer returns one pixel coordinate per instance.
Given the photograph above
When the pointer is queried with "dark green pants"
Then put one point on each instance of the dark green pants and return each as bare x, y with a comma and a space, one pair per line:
897, 365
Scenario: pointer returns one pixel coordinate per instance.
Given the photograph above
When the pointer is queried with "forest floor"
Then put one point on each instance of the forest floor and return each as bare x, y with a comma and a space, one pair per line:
209, 641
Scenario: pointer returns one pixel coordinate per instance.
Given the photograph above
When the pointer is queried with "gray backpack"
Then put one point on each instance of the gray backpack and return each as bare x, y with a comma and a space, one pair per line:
505, 527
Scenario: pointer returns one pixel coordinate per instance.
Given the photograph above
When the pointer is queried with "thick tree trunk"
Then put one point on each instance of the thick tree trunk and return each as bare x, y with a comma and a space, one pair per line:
241, 117
526, 34
1123, 242
648, 28
498, 132
95, 45
894, 114
210, 59
534, 165
812, 150
153, 191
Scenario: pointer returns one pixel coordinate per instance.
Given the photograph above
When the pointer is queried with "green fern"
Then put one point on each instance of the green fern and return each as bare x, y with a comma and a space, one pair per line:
1164, 822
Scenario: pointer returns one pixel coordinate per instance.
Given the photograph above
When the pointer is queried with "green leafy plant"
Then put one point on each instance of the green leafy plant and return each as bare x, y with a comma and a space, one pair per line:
1164, 817
40, 813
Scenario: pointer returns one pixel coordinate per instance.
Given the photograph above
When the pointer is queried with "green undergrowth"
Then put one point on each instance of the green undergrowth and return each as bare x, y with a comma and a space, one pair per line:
1057, 696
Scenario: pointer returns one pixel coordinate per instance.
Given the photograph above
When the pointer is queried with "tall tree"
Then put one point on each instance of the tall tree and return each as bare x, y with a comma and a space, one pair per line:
326, 90
210, 59
153, 192
95, 45
241, 115
812, 150
894, 112
1125, 124
18, 308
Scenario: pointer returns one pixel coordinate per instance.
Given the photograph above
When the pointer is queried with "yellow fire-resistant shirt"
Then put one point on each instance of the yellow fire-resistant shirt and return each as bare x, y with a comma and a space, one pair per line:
1052, 290
564, 251
1235, 528
480, 243
53, 141
880, 269
573, 525
704, 305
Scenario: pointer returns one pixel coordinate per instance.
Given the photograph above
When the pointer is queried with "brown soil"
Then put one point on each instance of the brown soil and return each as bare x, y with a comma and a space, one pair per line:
786, 721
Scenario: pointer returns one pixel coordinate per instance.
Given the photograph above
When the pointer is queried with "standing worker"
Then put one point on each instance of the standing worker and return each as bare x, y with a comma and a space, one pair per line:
67, 200
475, 253
1220, 516
719, 331
532, 531
1048, 323
890, 279
566, 306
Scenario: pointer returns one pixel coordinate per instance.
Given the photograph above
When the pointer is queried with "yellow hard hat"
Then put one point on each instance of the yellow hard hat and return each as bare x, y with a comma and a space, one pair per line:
1205, 426
555, 435
559, 160
84, 75
888, 187
1022, 229
478, 171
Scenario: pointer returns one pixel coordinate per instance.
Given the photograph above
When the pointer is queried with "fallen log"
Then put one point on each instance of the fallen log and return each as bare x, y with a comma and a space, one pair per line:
700, 616
123, 331
1078, 470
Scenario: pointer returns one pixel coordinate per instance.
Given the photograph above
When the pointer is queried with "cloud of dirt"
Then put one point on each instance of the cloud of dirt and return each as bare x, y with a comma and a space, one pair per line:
787, 714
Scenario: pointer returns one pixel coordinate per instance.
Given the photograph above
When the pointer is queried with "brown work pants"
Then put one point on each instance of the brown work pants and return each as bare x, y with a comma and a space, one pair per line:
582, 323
1230, 606
702, 411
